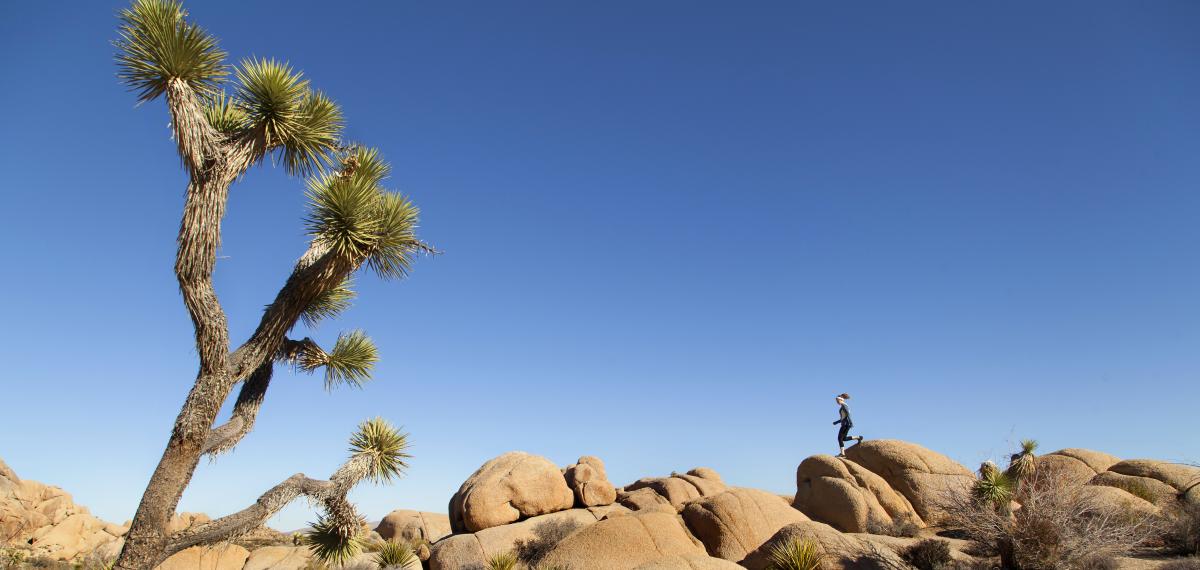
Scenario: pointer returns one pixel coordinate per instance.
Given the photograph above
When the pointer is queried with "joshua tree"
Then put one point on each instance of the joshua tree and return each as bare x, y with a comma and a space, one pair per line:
353, 222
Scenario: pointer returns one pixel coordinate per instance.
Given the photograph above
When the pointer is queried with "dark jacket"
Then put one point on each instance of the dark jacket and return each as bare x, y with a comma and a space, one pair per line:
844, 413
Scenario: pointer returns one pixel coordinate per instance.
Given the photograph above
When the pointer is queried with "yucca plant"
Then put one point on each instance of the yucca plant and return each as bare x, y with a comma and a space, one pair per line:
993, 487
1023, 463
797, 554
395, 554
226, 120
502, 561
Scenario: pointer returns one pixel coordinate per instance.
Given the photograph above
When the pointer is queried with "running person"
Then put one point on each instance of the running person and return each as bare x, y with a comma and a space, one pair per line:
847, 423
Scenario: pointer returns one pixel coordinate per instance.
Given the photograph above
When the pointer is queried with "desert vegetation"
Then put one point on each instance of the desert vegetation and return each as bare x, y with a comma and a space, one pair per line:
1039, 518
222, 128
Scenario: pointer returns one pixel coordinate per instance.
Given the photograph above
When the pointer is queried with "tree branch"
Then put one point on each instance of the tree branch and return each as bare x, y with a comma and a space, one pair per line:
331, 494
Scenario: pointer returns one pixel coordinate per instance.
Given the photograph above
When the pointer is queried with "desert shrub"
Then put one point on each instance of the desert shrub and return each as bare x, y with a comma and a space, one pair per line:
1179, 528
1057, 526
12, 558
797, 555
546, 535
1140, 490
903, 528
394, 554
502, 561
928, 554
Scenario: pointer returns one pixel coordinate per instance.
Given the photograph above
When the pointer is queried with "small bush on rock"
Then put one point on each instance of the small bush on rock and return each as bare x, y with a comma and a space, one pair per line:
903, 528
393, 554
546, 535
928, 554
502, 561
797, 555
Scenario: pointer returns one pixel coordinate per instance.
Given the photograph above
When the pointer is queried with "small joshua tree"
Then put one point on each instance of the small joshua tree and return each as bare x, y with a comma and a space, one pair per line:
271, 112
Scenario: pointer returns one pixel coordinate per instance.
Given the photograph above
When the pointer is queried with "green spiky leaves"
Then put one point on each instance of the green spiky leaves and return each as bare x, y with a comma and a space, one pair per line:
502, 561
356, 218
993, 487
1028, 446
350, 362
329, 304
394, 554
304, 124
157, 45
384, 445
797, 554
333, 540
224, 116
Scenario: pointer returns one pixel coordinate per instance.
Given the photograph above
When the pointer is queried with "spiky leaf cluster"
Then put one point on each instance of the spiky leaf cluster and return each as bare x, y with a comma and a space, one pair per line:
395, 554
225, 117
305, 125
329, 304
334, 541
352, 215
797, 555
157, 44
994, 488
384, 445
1023, 463
502, 561
350, 362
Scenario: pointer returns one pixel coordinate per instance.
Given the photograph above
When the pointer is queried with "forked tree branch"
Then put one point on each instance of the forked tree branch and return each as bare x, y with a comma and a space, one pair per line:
331, 494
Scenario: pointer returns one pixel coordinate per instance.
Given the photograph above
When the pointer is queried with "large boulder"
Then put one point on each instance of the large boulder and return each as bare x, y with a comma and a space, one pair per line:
1185, 479
734, 523
223, 557
589, 481
641, 498
411, 526
926, 478
1096, 461
679, 490
1119, 500
1146, 488
846, 495
474, 549
626, 542
509, 488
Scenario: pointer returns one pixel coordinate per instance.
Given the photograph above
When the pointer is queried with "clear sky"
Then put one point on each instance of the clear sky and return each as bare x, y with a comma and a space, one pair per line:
672, 230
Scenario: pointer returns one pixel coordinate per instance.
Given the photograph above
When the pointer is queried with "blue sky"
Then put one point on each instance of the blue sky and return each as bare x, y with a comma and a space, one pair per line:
672, 231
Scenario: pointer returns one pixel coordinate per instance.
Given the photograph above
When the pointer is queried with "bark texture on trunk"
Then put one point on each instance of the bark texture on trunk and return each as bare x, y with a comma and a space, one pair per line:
214, 162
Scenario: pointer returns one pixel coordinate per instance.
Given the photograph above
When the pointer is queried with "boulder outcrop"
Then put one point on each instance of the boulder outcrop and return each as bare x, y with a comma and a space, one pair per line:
409, 526
678, 490
627, 542
736, 522
509, 488
470, 550
847, 496
923, 476
842, 551
589, 481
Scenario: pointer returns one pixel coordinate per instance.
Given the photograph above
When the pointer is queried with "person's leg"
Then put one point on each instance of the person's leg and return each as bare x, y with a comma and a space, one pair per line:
845, 429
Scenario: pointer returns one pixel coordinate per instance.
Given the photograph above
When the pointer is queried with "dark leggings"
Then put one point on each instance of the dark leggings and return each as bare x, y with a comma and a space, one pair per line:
843, 434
